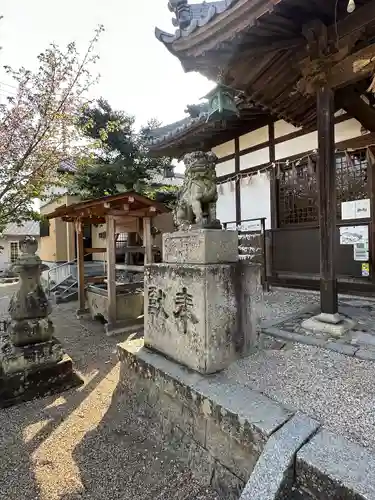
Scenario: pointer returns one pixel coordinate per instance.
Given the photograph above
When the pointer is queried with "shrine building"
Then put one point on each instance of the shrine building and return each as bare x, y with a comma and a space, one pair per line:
292, 121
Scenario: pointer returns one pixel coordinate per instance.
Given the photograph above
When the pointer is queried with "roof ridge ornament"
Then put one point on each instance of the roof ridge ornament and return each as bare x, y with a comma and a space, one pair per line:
190, 17
183, 13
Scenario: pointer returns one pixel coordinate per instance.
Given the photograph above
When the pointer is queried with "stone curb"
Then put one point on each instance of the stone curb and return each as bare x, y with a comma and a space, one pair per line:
331, 345
274, 471
329, 466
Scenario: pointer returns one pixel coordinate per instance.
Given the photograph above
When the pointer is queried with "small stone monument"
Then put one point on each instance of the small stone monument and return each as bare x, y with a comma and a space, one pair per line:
192, 302
32, 361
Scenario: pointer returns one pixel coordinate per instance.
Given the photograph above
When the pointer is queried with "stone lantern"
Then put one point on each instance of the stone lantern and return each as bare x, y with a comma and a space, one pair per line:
32, 361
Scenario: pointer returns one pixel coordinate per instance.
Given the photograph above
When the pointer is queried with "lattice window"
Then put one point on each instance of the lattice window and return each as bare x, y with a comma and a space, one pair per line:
351, 178
298, 194
14, 251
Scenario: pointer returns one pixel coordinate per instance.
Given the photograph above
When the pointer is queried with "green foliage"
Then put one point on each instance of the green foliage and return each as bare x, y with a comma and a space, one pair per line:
163, 194
38, 126
119, 160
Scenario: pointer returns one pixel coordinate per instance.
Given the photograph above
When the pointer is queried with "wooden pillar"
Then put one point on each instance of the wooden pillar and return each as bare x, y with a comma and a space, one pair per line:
80, 267
111, 270
327, 199
370, 156
147, 240
238, 180
273, 178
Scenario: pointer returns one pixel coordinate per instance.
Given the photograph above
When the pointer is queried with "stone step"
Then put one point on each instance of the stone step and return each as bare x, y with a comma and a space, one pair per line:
69, 297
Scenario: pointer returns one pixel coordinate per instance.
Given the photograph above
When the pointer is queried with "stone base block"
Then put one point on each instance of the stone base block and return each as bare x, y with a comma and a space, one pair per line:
336, 330
26, 331
192, 314
25, 385
200, 246
18, 359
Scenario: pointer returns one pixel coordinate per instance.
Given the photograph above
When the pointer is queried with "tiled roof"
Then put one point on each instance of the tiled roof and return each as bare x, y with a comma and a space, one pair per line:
191, 17
197, 114
29, 228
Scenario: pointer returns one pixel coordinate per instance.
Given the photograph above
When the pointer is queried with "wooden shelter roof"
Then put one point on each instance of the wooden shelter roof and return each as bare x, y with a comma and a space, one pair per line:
262, 48
119, 205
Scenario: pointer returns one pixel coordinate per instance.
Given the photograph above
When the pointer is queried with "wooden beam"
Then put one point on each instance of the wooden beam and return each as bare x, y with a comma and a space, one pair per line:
327, 200
95, 279
81, 267
111, 271
353, 68
351, 101
95, 250
142, 212
357, 20
147, 240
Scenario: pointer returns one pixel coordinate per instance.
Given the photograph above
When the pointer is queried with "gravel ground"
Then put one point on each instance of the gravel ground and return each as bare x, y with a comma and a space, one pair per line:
337, 390
280, 303
88, 443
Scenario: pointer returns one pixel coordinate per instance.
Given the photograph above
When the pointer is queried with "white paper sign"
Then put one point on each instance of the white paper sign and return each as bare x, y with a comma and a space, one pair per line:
348, 210
350, 235
362, 208
254, 225
359, 209
360, 252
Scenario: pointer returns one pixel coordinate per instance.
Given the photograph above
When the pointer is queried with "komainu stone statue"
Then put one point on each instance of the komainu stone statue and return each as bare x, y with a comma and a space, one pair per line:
197, 202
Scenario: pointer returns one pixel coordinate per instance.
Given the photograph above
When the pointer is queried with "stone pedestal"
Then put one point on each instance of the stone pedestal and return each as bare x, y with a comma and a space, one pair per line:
32, 362
192, 311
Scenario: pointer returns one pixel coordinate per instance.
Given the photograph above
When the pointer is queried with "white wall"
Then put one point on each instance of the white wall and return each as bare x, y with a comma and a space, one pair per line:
224, 168
254, 138
255, 158
255, 195
225, 149
345, 130
256, 198
226, 204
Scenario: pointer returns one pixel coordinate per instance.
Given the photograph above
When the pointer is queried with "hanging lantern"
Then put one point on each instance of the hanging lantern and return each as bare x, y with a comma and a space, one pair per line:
221, 103
221, 189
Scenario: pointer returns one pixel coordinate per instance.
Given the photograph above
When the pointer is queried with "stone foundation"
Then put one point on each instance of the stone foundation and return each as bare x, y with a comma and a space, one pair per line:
239, 441
25, 385
218, 429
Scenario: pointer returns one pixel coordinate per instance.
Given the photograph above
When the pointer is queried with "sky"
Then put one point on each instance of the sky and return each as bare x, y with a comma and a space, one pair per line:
138, 74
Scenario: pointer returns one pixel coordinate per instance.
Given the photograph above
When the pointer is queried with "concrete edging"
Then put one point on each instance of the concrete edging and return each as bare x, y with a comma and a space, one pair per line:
273, 474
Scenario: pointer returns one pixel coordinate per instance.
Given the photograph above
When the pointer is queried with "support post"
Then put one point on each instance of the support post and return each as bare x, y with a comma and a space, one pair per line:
327, 200
238, 180
147, 240
370, 156
80, 268
111, 271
